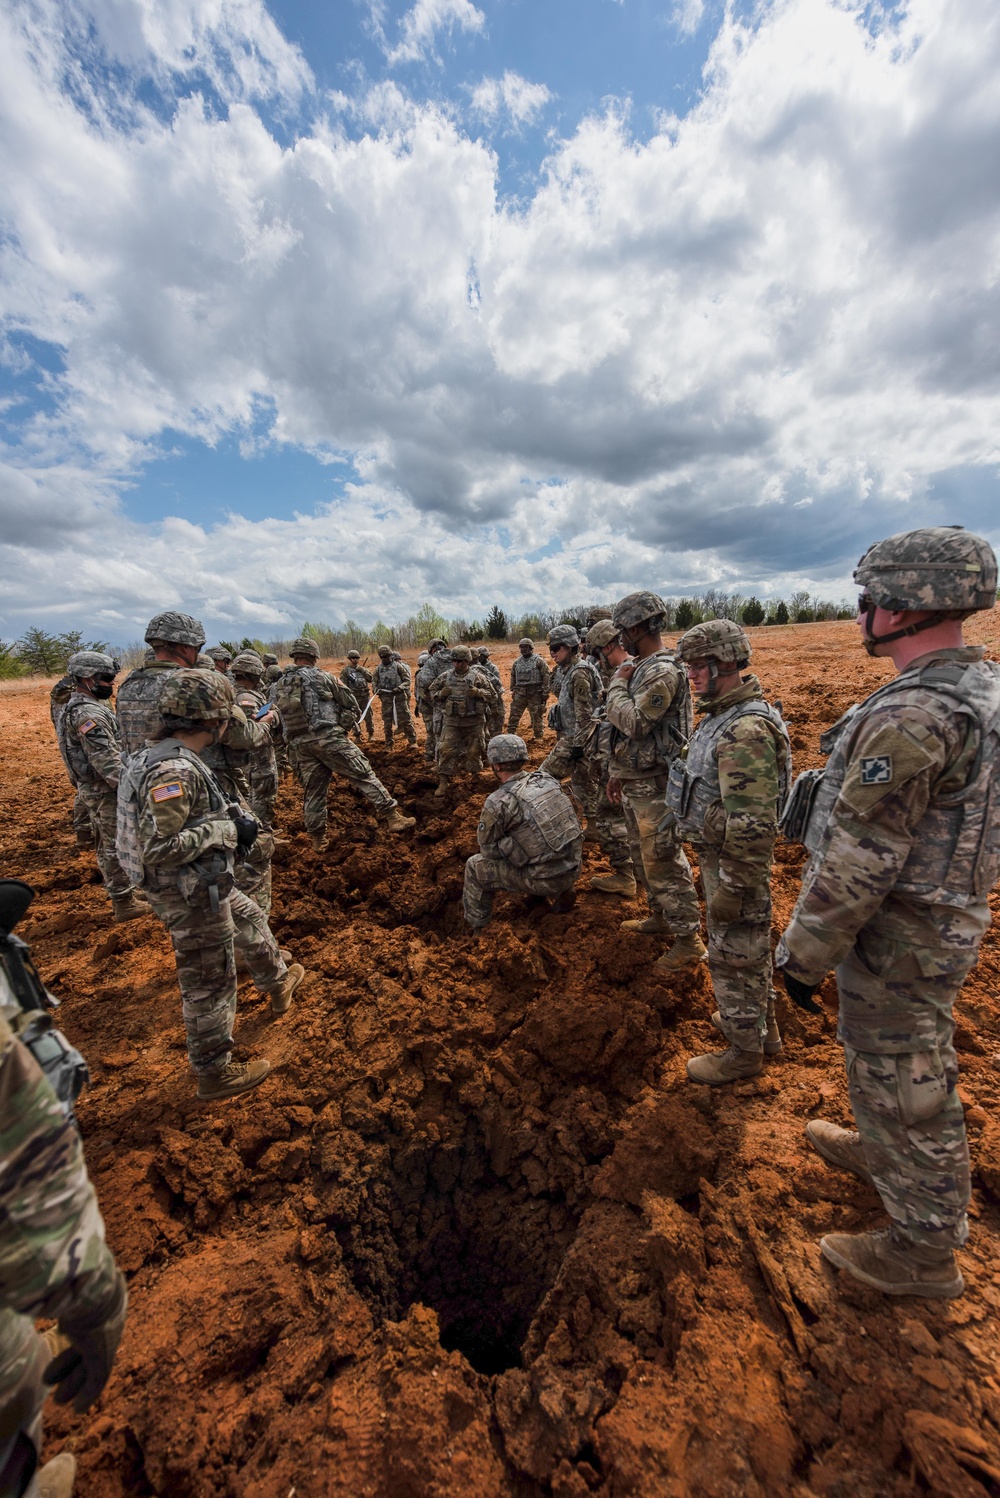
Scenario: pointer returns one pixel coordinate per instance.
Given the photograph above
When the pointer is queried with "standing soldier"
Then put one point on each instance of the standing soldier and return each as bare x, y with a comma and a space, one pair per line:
725, 797
90, 747
437, 663
494, 723
317, 714
222, 657
529, 689
463, 695
423, 707
358, 679
261, 769
58, 698
272, 672
904, 833
391, 683
608, 653
578, 685
176, 830
175, 640
529, 837
271, 668
231, 760
650, 707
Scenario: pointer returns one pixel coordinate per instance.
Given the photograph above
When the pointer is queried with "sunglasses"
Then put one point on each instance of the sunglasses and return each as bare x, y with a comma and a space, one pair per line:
864, 603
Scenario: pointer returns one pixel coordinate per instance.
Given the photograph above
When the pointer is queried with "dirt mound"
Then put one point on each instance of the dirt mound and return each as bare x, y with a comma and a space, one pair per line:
477, 1235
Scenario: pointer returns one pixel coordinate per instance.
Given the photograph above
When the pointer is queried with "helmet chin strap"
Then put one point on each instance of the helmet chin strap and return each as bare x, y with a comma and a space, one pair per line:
870, 640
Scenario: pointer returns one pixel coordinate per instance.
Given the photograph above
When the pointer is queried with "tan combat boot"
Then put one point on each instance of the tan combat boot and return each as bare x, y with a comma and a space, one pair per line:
396, 822
772, 1040
725, 1066
650, 925
887, 1262
616, 884
281, 996
55, 1479
320, 841
442, 786
232, 1079
687, 951
841, 1148
128, 907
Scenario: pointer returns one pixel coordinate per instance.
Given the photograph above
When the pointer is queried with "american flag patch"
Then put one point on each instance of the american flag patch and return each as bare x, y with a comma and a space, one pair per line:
86, 727
169, 792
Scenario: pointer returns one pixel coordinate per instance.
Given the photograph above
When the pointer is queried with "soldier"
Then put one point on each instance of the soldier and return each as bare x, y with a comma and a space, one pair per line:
423, 707
904, 836
317, 714
391, 683
358, 679
725, 797
58, 698
261, 769
91, 750
222, 658
578, 687
272, 672
463, 695
608, 653
437, 663
54, 1261
599, 615
650, 706
495, 719
530, 841
176, 830
175, 640
529, 688
271, 668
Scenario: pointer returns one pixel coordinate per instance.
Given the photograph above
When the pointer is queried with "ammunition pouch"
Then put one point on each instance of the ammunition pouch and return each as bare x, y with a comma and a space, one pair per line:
794, 820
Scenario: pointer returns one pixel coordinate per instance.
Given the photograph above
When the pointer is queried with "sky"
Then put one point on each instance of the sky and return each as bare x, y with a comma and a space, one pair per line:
315, 311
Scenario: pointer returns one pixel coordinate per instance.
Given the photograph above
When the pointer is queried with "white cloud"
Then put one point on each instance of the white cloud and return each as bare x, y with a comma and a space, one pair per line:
688, 15
420, 26
788, 295
511, 96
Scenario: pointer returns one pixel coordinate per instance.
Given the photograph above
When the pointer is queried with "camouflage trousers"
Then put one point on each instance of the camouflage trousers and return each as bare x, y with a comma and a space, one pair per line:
264, 789
532, 703
739, 960
583, 774
23, 1358
485, 875
494, 722
102, 808
612, 829
661, 866
319, 759
203, 942
460, 746
426, 708
396, 714
903, 1083
81, 819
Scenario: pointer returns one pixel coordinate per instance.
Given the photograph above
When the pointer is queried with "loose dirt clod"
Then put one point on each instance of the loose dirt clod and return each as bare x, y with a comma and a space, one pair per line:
477, 1235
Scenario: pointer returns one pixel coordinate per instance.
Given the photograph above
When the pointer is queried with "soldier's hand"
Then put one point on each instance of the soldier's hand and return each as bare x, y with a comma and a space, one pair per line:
625, 670
247, 828
81, 1371
726, 905
801, 994
613, 790
576, 753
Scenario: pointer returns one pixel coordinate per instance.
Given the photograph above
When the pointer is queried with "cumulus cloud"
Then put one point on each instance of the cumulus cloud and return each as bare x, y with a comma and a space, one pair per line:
510, 97
640, 372
420, 26
688, 15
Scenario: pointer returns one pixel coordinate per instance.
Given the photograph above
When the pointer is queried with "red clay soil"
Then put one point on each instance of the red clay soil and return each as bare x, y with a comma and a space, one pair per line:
477, 1235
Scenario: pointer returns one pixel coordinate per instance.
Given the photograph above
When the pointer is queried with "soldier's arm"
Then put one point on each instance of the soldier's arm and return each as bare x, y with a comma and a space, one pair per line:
99, 745
492, 826
637, 718
53, 1257
747, 758
583, 701
244, 733
164, 838
868, 837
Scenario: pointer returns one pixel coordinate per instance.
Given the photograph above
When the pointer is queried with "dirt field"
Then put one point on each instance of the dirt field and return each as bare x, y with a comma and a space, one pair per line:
477, 1235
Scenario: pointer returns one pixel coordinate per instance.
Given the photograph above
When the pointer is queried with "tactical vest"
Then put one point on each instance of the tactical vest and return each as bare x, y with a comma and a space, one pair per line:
656, 750
955, 857
528, 673
137, 705
566, 704
549, 840
458, 703
357, 682
308, 700
390, 678
81, 772
213, 870
694, 786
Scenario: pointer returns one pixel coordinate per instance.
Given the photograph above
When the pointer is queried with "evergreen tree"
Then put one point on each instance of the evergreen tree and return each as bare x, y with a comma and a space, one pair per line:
781, 612
684, 617
753, 612
496, 623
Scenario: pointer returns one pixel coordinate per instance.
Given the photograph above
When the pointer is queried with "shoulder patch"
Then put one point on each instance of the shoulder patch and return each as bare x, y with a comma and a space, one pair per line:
169, 792
86, 727
891, 759
876, 769
656, 700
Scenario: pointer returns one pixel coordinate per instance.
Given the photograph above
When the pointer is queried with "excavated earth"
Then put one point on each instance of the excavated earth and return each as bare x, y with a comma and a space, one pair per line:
477, 1235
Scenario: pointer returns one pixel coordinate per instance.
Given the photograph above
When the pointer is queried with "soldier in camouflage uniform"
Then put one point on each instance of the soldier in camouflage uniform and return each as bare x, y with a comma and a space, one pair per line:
262, 771
463, 695
272, 673
607, 653
175, 640
529, 689
221, 658
391, 684
358, 679
904, 835
54, 1263
724, 796
231, 761
176, 828
317, 714
649, 705
577, 685
91, 750
437, 663
58, 698
494, 724
530, 841
423, 707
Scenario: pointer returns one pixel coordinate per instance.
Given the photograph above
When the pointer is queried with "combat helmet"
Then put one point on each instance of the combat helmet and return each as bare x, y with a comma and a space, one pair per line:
385, 653
175, 629
220, 653
598, 612
639, 608
526, 641
354, 655
423, 658
719, 640
600, 634
205, 662
943, 568
197, 697
461, 653
247, 663
83, 663
564, 634
269, 659
433, 645
304, 646
506, 749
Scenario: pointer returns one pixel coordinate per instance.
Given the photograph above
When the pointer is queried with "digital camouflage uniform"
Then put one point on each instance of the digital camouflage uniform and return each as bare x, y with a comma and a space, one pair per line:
530, 843
231, 762
725, 796
357, 679
577, 684
88, 737
495, 716
438, 662
463, 702
424, 706
529, 690
905, 842
58, 698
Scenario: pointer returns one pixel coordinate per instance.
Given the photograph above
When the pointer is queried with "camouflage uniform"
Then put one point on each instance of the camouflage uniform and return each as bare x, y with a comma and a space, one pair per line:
724, 797
529, 689
88, 737
577, 684
58, 698
424, 706
231, 762
136, 704
357, 679
391, 684
609, 818
530, 843
494, 724
463, 702
438, 662
256, 740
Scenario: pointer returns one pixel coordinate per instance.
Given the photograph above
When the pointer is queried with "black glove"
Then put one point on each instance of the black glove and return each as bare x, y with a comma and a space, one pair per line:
82, 1369
801, 994
247, 828
576, 752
